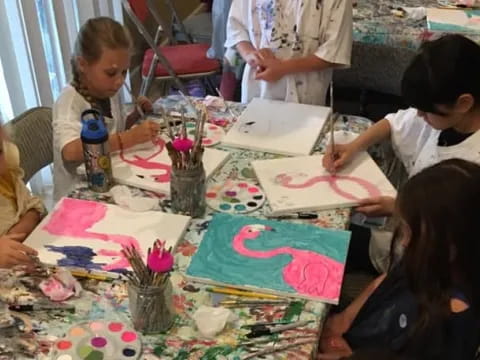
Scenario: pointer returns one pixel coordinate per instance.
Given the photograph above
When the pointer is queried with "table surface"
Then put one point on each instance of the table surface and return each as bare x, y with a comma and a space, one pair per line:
109, 301
374, 23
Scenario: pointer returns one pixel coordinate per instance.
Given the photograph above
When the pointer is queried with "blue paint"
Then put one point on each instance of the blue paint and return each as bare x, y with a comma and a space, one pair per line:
225, 206
240, 207
216, 259
76, 256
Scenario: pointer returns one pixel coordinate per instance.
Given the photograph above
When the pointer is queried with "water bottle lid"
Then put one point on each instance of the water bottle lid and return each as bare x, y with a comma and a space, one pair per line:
93, 129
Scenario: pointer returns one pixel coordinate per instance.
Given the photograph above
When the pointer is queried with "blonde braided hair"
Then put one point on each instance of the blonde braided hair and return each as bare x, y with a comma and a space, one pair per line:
93, 36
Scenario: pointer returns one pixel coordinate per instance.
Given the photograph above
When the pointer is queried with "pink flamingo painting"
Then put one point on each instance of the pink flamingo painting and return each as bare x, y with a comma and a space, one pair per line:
74, 217
309, 273
148, 163
287, 181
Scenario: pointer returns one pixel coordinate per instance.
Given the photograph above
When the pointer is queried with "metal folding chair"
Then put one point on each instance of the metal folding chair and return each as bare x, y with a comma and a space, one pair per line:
173, 61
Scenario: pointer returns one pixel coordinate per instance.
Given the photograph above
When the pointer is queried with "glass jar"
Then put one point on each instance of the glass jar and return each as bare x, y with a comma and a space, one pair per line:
151, 307
187, 191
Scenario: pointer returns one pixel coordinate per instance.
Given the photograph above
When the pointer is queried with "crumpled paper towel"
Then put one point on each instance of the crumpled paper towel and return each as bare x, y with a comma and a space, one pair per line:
60, 286
211, 321
122, 196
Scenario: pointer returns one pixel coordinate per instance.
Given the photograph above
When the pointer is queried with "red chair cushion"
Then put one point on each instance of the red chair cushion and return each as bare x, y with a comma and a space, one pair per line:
184, 59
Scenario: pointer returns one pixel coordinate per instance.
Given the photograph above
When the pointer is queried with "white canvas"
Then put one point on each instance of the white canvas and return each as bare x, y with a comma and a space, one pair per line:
148, 167
448, 20
90, 235
302, 184
278, 127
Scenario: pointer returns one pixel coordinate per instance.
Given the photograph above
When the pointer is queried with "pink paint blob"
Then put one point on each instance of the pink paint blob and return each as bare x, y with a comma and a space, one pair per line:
253, 190
148, 164
287, 181
242, 185
309, 273
115, 326
96, 326
207, 142
211, 195
212, 127
73, 218
129, 336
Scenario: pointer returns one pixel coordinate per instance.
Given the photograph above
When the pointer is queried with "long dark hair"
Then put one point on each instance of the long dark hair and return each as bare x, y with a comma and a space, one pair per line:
440, 207
443, 70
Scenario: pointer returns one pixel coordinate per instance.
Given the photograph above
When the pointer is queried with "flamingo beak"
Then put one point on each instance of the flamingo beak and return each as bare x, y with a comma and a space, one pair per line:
269, 228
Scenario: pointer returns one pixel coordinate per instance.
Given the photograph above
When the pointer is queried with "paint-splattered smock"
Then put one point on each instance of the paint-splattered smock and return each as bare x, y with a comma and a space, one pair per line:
292, 29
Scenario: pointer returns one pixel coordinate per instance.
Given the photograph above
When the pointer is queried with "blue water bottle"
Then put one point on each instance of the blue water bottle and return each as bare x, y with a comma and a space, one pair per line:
96, 153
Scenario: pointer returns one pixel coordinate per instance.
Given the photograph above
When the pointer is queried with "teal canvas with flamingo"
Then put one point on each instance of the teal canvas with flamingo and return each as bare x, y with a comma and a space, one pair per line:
281, 258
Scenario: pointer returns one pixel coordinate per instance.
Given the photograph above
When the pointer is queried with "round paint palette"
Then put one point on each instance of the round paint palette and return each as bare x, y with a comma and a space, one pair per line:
212, 134
98, 340
235, 197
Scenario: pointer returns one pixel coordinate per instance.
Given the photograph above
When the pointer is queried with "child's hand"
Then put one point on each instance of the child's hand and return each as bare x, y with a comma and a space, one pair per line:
333, 347
253, 59
334, 161
146, 131
336, 324
377, 206
13, 252
145, 104
270, 69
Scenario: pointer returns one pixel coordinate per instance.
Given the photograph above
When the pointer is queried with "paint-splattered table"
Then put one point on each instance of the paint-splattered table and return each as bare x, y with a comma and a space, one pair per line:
110, 301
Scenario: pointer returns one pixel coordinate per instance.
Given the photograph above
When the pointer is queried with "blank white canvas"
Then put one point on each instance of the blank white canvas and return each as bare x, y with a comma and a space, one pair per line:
128, 174
278, 127
145, 227
320, 195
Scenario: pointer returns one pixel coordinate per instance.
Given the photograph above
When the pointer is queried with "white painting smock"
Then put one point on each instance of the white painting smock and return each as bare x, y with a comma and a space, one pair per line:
415, 143
67, 127
292, 29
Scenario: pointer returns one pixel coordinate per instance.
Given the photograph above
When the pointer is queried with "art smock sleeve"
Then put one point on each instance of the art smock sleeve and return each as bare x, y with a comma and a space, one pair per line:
336, 46
409, 134
238, 23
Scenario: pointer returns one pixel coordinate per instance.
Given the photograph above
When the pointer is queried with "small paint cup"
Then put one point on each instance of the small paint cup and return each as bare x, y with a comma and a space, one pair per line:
187, 191
151, 307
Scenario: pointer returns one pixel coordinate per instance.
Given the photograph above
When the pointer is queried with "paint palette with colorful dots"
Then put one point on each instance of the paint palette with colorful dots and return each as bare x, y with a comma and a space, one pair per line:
98, 340
212, 134
236, 197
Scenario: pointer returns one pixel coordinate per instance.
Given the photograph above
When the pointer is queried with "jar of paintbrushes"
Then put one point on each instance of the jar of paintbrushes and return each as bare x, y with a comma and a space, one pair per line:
150, 289
187, 179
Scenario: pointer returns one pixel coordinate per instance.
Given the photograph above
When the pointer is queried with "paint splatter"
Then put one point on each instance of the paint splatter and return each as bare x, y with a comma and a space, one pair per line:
76, 256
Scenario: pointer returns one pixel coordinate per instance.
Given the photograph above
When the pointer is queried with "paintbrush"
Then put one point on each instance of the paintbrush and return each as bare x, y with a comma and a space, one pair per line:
275, 349
226, 105
332, 125
134, 99
189, 101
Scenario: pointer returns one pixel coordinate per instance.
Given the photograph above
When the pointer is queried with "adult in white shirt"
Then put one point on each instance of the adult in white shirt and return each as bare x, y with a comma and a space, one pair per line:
442, 85
290, 46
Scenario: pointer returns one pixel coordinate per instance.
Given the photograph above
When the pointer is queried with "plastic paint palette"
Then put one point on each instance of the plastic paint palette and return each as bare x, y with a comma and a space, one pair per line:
235, 197
98, 340
212, 134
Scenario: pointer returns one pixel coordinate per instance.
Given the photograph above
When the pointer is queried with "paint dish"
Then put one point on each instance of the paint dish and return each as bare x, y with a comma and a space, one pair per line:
212, 134
235, 197
98, 340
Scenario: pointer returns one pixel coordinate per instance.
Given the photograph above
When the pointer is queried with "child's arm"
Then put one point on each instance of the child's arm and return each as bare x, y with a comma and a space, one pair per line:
335, 159
338, 324
147, 131
274, 69
26, 224
146, 106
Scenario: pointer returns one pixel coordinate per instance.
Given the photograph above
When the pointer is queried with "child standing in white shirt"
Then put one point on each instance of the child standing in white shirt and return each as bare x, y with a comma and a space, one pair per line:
99, 65
442, 85
290, 46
